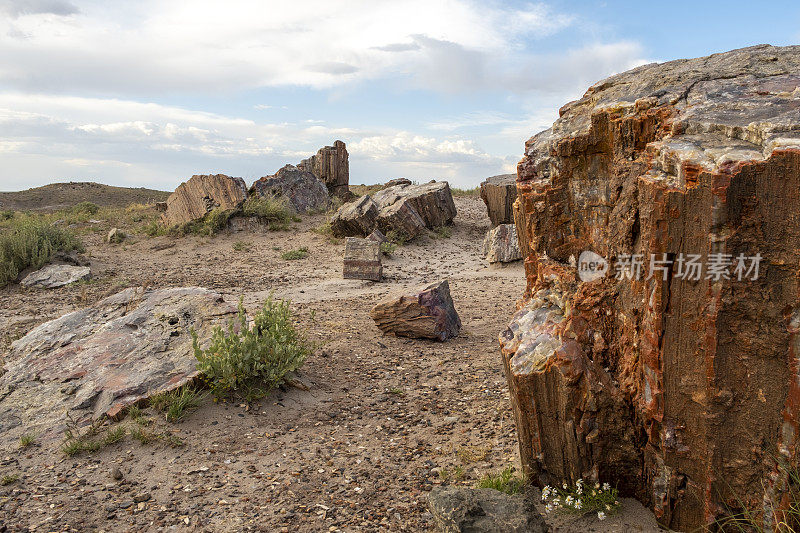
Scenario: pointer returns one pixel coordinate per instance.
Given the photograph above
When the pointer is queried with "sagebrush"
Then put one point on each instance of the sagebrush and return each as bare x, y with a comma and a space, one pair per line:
31, 242
251, 360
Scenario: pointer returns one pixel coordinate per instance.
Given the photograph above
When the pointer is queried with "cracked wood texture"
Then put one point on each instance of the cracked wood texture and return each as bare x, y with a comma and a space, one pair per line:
682, 393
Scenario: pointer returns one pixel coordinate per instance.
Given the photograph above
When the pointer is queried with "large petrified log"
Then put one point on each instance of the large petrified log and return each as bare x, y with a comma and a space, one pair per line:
426, 313
432, 201
194, 198
681, 388
355, 219
99, 360
499, 193
331, 165
302, 189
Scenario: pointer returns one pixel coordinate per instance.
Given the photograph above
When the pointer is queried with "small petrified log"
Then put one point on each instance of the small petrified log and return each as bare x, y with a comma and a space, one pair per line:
402, 218
426, 313
499, 193
501, 244
362, 259
194, 198
355, 219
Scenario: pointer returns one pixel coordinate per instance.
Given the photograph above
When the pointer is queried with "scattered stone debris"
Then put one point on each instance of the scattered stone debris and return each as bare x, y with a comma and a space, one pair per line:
193, 199
53, 276
499, 193
304, 191
426, 313
101, 359
332, 167
679, 390
405, 208
463, 509
501, 244
115, 236
362, 259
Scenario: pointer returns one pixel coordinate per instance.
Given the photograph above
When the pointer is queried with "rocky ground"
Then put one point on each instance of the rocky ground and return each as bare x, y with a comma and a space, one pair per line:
370, 426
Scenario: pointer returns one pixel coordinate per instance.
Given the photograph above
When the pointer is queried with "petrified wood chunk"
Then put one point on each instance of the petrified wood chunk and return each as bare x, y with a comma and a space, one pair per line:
499, 193
331, 165
355, 219
501, 245
362, 259
426, 313
402, 218
304, 191
377, 236
432, 201
193, 199
679, 388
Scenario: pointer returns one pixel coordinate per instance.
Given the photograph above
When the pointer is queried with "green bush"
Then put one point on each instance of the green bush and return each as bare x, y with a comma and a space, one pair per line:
6, 214
254, 360
31, 242
504, 481
293, 255
272, 209
85, 208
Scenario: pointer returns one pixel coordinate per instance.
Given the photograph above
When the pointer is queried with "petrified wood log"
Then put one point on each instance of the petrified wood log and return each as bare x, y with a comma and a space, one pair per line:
681, 389
501, 245
362, 259
499, 193
426, 313
355, 219
201, 194
402, 218
303, 190
432, 201
331, 165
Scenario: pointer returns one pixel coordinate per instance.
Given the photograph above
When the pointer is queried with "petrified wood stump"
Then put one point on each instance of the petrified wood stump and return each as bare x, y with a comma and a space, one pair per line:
499, 193
426, 313
362, 259
332, 166
681, 387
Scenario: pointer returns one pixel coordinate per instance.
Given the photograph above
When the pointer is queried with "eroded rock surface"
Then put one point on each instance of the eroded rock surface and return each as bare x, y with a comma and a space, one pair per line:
331, 165
462, 509
99, 360
201, 194
682, 392
303, 190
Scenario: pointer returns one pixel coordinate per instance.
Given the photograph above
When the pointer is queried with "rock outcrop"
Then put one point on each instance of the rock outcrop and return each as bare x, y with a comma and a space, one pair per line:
674, 377
362, 259
499, 193
424, 313
193, 199
99, 360
461, 509
501, 244
304, 191
331, 165
53, 276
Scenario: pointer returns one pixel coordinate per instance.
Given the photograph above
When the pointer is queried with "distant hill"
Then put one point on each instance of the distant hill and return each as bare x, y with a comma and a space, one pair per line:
61, 195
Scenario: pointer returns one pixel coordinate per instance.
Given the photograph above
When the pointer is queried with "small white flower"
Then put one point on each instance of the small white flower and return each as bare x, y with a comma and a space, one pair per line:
579, 490
548, 507
578, 504
606, 486
601, 515
597, 485
564, 486
568, 501
608, 507
579, 482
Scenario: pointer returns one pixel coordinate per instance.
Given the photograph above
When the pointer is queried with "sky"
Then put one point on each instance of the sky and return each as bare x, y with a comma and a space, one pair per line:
148, 93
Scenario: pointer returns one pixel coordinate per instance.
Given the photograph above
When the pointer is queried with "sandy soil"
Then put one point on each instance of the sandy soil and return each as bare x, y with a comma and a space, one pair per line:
357, 451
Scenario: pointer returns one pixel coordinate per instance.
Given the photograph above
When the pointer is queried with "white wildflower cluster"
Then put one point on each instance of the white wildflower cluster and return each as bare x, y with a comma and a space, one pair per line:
580, 498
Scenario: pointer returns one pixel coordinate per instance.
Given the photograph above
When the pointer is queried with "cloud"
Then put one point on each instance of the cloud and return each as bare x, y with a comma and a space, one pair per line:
17, 8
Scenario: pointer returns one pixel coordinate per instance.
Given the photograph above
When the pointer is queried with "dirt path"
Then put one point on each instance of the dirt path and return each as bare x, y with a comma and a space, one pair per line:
382, 421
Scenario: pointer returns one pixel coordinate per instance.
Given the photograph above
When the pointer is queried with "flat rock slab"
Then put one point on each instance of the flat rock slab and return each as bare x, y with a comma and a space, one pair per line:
425, 313
362, 259
99, 360
461, 509
201, 194
53, 276
501, 244
304, 191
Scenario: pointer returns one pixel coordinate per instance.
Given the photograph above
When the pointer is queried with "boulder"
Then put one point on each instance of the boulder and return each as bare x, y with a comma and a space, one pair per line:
99, 360
331, 166
362, 259
678, 384
499, 193
53, 276
401, 218
304, 191
501, 244
193, 199
462, 509
432, 201
355, 219
426, 313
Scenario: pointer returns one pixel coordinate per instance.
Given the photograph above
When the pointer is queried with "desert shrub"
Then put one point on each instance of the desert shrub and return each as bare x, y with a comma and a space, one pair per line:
504, 481
215, 221
176, 402
31, 242
242, 246
293, 255
396, 237
442, 232
465, 192
85, 208
6, 214
254, 360
272, 209
388, 248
